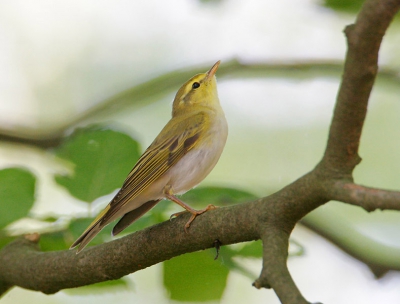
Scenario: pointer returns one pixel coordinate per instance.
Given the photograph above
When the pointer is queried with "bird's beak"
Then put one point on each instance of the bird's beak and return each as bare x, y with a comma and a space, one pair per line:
213, 70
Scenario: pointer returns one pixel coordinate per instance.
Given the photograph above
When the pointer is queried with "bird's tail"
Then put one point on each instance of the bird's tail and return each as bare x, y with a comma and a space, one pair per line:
94, 228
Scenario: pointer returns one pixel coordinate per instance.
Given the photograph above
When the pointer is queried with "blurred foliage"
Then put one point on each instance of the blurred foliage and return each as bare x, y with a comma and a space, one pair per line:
53, 241
218, 196
102, 159
349, 6
198, 277
17, 192
100, 288
5, 239
251, 250
195, 277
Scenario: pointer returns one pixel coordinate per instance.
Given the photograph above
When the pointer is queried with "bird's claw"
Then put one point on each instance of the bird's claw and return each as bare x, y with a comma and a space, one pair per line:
193, 216
176, 214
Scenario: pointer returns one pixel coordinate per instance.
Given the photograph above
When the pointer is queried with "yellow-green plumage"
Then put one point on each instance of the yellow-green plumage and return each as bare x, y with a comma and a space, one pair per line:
180, 157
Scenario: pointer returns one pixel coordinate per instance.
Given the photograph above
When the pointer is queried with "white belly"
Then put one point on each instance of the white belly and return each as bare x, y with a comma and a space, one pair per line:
197, 164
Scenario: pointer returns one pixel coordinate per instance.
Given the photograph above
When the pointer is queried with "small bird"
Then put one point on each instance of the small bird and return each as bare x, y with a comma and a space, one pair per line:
181, 156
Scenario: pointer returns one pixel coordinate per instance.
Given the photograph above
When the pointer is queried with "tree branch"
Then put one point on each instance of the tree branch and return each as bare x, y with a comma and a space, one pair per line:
271, 218
366, 197
274, 269
364, 39
50, 272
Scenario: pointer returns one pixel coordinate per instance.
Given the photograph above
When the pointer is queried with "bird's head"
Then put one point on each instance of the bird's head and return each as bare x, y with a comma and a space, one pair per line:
198, 91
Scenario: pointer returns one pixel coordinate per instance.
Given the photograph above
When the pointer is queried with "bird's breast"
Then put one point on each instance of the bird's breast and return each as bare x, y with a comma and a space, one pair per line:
198, 162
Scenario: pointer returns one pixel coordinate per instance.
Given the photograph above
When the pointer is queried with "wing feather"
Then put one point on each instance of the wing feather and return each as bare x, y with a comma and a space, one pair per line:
161, 155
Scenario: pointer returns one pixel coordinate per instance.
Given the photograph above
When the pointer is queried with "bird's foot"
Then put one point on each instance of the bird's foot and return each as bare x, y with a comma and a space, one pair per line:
194, 213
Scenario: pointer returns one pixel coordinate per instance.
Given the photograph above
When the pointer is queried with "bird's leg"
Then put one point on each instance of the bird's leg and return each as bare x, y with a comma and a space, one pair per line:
169, 195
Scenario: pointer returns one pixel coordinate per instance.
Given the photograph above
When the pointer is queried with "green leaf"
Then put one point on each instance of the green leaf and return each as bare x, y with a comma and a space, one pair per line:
228, 254
17, 194
218, 196
251, 250
53, 241
195, 277
50, 219
101, 287
4, 240
102, 159
350, 6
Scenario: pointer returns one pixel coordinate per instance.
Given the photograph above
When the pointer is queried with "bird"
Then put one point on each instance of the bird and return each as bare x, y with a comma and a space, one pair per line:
180, 157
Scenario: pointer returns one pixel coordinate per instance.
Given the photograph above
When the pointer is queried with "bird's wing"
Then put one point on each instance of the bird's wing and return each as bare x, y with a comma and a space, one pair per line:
166, 150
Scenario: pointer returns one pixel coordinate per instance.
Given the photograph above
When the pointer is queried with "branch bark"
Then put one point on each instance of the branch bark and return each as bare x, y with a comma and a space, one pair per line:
364, 39
271, 218
366, 197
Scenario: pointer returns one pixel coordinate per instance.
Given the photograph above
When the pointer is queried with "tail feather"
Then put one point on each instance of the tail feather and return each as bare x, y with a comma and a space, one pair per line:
90, 232
132, 216
85, 238
101, 221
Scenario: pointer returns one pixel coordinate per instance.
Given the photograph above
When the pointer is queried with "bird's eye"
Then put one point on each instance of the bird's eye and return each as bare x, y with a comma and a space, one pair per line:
195, 85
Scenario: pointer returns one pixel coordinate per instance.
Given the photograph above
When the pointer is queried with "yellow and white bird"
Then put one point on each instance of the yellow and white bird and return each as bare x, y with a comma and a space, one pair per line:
181, 156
